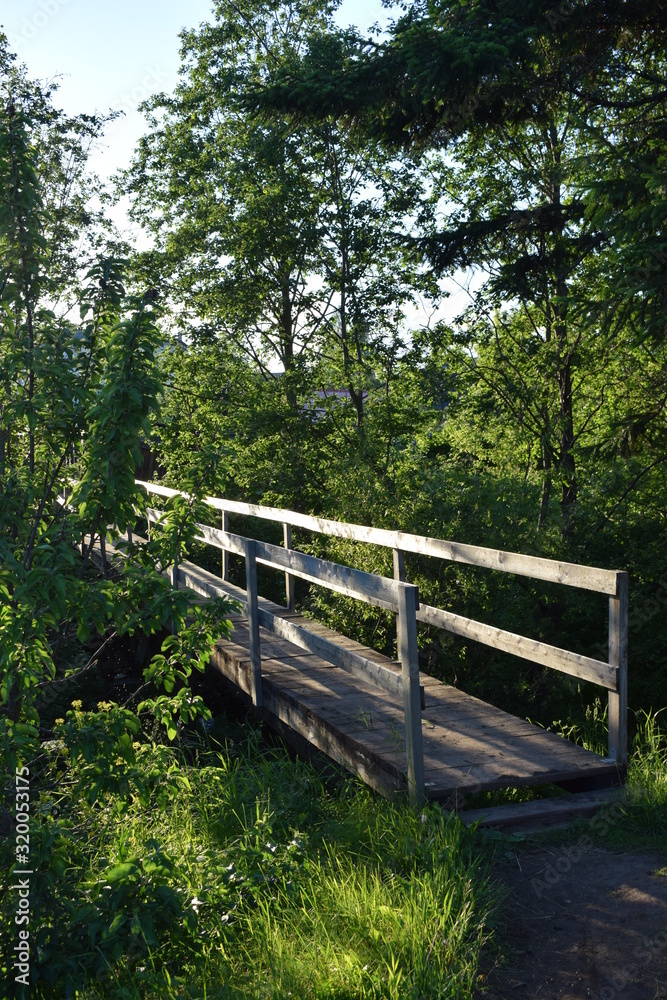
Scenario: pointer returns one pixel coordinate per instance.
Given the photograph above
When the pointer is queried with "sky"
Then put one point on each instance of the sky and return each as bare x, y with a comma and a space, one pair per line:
112, 56
115, 55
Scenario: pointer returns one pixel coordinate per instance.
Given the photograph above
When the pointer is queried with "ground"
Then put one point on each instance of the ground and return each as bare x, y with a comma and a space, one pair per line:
582, 923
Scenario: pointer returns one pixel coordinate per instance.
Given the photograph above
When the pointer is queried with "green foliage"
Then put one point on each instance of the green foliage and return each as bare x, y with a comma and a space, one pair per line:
248, 874
75, 402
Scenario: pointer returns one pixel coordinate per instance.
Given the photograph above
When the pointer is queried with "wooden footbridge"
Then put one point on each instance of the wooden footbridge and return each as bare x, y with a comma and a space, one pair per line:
396, 727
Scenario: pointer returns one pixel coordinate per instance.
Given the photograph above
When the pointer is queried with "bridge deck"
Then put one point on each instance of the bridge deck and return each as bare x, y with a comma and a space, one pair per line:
469, 746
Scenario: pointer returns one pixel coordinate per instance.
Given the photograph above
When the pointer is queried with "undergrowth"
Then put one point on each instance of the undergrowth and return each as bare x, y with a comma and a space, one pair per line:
239, 872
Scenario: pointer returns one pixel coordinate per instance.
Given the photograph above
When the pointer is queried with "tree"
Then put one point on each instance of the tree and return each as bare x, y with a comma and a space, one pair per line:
74, 403
233, 206
514, 96
285, 243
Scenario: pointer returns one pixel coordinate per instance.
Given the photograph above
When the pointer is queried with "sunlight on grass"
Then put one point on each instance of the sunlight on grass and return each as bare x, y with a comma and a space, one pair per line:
256, 878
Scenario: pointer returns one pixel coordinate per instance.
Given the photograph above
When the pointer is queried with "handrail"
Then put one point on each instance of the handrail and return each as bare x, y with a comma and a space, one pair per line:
611, 674
394, 595
602, 581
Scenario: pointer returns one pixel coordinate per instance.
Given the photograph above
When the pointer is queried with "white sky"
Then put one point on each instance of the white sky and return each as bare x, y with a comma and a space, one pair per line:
112, 56
115, 55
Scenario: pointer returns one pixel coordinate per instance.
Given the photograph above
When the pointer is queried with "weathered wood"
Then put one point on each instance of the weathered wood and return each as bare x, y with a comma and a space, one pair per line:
583, 667
468, 746
483, 749
253, 620
382, 677
220, 539
618, 658
602, 581
225, 553
471, 753
408, 655
367, 587
158, 489
289, 579
541, 812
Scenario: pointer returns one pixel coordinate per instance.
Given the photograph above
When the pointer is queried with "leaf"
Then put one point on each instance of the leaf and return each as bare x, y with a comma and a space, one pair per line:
122, 872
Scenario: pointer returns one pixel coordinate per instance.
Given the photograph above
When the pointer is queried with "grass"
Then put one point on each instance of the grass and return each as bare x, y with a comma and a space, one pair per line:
240, 872
250, 875
639, 820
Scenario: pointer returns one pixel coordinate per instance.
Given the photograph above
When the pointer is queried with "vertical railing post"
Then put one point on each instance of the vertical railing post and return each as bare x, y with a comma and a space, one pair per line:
399, 565
406, 627
618, 657
253, 620
289, 579
225, 554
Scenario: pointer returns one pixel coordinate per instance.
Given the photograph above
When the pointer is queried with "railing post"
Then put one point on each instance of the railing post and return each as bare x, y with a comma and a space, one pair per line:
289, 579
225, 554
253, 621
399, 565
406, 627
618, 657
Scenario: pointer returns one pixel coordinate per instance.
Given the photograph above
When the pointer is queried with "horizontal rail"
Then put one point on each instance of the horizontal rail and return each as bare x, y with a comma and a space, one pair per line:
379, 675
583, 667
380, 591
603, 581
208, 585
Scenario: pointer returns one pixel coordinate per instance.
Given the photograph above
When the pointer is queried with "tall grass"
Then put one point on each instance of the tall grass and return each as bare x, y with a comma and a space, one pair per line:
256, 877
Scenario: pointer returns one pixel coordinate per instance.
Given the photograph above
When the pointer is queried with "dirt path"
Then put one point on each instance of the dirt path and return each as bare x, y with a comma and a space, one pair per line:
583, 923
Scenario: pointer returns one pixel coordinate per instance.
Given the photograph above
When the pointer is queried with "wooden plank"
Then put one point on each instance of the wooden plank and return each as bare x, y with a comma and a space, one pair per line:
602, 581
225, 554
331, 704
541, 812
376, 669
383, 677
206, 584
220, 539
367, 587
289, 579
342, 748
399, 565
253, 620
583, 667
311, 625
158, 489
409, 657
618, 656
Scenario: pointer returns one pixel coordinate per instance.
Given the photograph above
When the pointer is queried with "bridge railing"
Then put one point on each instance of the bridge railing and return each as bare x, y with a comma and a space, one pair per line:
610, 674
382, 592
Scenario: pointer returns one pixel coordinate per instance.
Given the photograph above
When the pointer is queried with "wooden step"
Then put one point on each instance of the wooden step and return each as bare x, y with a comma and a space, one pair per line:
542, 813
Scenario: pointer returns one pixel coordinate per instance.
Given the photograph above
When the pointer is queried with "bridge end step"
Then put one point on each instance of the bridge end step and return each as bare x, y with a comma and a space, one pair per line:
542, 813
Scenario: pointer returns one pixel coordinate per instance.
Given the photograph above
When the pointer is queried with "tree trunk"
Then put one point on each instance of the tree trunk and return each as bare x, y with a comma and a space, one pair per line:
546, 486
566, 462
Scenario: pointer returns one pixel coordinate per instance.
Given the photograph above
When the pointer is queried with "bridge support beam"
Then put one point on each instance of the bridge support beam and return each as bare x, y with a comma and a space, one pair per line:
618, 657
289, 579
406, 627
225, 553
253, 619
